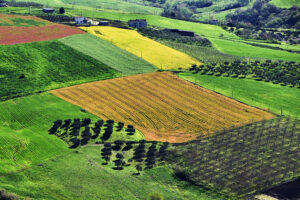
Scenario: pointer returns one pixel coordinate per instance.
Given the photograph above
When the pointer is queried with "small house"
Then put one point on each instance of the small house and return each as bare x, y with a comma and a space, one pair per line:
81, 20
3, 3
138, 23
48, 10
103, 23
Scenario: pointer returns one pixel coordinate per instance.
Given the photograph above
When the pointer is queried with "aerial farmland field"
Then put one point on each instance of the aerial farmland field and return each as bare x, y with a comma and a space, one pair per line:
162, 106
15, 30
149, 100
161, 56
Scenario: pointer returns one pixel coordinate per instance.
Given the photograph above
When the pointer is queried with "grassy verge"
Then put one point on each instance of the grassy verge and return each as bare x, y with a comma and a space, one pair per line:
260, 94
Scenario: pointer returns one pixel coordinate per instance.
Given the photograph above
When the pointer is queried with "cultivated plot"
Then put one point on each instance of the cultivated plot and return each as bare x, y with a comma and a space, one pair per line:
15, 30
155, 53
162, 106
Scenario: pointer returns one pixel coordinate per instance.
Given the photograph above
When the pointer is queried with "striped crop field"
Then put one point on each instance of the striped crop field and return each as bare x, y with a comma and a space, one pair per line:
20, 29
155, 53
162, 106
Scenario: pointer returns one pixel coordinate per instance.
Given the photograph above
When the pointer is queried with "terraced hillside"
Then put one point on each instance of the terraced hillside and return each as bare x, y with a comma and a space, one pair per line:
20, 29
161, 56
108, 54
34, 67
162, 106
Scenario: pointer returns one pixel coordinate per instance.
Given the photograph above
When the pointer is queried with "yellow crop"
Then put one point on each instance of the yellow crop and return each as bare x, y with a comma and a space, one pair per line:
159, 55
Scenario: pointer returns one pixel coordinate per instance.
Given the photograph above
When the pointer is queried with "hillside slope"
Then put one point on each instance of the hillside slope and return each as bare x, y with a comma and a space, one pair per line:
161, 56
33, 67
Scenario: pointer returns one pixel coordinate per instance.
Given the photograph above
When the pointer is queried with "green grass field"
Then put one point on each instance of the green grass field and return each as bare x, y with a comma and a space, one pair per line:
239, 48
46, 65
24, 125
108, 54
82, 176
260, 94
285, 3
201, 53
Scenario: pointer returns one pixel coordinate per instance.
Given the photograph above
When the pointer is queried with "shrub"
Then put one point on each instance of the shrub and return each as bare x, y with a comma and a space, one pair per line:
156, 196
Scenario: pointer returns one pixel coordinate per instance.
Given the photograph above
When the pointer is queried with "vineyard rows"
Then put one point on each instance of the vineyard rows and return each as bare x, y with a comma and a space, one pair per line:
246, 160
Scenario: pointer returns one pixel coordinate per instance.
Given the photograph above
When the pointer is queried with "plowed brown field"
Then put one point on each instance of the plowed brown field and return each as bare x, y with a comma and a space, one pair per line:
162, 106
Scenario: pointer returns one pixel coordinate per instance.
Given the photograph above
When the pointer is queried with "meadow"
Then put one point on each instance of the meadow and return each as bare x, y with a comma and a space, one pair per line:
161, 56
81, 175
24, 128
162, 106
285, 3
264, 95
240, 48
25, 122
33, 67
109, 54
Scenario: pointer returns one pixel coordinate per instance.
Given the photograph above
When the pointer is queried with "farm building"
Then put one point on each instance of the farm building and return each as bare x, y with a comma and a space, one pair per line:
138, 23
81, 20
181, 32
103, 23
48, 10
3, 3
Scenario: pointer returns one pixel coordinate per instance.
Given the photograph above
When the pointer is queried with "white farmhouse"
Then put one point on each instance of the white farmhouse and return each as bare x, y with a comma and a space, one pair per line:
81, 20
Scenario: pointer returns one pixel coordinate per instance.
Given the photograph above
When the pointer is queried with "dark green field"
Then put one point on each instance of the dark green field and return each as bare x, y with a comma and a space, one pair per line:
33, 67
108, 54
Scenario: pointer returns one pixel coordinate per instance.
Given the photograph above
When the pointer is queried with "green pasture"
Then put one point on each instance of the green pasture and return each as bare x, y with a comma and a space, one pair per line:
46, 65
108, 54
81, 175
24, 125
239, 48
285, 3
256, 93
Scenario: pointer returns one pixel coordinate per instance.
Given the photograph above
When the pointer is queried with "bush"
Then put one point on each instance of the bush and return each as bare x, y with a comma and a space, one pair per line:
7, 196
156, 196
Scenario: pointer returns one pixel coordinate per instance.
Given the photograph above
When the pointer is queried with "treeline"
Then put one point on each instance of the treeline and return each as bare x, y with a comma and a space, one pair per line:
24, 4
173, 36
284, 73
81, 132
266, 15
143, 154
238, 4
57, 18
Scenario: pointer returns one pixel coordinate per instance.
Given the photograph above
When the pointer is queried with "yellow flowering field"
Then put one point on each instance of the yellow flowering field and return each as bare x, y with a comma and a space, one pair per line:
161, 56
